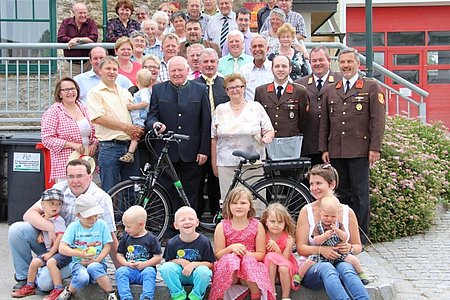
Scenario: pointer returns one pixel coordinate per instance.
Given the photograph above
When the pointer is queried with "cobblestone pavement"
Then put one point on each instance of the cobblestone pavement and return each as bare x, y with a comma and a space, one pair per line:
419, 265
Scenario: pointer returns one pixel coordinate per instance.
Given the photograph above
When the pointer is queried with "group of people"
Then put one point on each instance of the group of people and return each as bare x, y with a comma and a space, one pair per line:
220, 88
248, 256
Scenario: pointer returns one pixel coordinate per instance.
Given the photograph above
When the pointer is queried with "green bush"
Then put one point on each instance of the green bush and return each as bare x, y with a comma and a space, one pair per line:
410, 180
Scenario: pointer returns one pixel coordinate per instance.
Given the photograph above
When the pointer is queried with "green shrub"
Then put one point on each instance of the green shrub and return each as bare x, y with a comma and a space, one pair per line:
410, 180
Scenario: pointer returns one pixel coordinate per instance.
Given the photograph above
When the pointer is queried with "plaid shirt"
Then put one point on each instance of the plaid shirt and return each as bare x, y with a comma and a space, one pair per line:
155, 50
163, 72
293, 18
101, 197
57, 128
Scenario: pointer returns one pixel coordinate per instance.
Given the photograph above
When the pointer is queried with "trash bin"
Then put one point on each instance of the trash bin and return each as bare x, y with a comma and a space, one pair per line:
26, 180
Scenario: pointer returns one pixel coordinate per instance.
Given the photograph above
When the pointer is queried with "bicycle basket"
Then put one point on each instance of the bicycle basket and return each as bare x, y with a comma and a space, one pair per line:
285, 148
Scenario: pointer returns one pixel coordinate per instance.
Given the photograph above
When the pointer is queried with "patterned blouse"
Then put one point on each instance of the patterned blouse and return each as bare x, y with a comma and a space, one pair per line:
116, 29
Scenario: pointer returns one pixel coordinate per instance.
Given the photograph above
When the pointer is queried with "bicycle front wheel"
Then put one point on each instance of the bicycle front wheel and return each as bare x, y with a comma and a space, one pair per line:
289, 193
156, 203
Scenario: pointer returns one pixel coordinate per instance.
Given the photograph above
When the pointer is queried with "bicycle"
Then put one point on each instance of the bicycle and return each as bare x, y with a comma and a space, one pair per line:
147, 192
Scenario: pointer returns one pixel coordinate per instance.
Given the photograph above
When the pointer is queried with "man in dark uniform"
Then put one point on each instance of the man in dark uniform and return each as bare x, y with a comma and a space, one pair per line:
351, 134
209, 62
285, 102
315, 84
182, 106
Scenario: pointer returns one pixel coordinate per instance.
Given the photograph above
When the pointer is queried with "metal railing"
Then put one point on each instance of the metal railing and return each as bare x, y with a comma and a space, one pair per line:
27, 83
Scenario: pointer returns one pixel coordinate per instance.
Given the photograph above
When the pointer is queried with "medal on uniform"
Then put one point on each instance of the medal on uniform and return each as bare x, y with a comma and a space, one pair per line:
291, 115
358, 106
381, 98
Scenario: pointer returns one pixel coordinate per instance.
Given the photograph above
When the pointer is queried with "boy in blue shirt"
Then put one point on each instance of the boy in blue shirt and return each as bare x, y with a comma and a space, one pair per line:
139, 252
88, 240
189, 258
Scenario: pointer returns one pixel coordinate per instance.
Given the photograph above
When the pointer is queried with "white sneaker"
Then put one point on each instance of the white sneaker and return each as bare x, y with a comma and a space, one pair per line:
112, 296
65, 295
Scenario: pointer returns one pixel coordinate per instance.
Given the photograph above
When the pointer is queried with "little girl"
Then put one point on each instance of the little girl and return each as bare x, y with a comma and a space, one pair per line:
329, 232
139, 109
280, 260
239, 243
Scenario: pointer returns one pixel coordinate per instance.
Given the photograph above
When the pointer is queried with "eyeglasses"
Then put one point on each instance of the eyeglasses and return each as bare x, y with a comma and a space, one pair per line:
151, 67
235, 88
68, 90
72, 177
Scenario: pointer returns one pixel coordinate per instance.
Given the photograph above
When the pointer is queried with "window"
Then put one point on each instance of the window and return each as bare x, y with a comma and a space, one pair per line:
409, 75
406, 59
406, 38
26, 21
438, 76
438, 57
355, 39
438, 38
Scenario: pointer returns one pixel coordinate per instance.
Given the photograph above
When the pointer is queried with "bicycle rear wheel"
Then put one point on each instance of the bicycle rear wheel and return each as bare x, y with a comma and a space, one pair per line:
156, 202
289, 193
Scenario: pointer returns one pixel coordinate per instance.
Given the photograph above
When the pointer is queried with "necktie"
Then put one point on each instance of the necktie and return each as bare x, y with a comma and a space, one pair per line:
347, 86
319, 84
209, 83
196, 74
236, 65
279, 90
224, 32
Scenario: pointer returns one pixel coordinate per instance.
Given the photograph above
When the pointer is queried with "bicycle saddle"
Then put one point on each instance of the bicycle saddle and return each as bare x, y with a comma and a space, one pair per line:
248, 155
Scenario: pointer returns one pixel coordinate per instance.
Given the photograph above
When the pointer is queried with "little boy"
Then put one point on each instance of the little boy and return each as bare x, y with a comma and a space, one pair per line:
88, 241
139, 109
189, 258
51, 200
139, 252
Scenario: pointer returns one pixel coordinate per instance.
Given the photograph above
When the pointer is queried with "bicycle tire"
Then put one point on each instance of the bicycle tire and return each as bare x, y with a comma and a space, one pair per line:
289, 193
128, 193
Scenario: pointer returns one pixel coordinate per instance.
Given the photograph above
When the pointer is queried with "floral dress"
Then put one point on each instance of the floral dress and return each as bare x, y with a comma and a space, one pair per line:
280, 260
246, 267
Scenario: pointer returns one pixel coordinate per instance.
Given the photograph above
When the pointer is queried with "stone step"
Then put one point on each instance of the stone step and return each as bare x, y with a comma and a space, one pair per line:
381, 286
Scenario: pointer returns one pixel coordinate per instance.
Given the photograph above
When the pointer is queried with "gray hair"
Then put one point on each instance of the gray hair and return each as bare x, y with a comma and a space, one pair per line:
195, 46
236, 32
142, 7
278, 11
349, 50
184, 60
209, 51
159, 14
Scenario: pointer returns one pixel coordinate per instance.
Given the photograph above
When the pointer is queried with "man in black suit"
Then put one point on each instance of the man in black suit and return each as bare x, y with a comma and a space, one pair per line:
182, 106
315, 84
209, 61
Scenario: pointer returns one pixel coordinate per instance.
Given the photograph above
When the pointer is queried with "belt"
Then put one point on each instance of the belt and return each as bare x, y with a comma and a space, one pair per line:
119, 142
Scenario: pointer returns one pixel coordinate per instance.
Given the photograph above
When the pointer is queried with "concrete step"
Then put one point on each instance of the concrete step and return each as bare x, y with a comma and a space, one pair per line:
381, 286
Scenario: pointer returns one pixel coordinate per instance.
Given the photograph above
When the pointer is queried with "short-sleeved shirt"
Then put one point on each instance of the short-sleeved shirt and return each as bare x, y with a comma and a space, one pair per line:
241, 132
139, 249
80, 238
199, 249
59, 225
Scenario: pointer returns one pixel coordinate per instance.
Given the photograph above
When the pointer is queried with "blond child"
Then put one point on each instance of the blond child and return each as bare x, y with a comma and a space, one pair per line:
88, 241
139, 109
52, 200
330, 232
280, 260
139, 252
239, 242
189, 258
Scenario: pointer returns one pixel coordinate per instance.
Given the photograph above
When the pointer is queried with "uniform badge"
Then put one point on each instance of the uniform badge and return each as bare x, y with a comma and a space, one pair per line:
331, 78
359, 84
359, 106
291, 115
270, 88
289, 89
310, 80
381, 98
339, 85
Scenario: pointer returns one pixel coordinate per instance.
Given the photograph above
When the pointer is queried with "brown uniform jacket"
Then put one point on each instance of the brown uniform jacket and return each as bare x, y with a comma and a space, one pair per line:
352, 123
311, 127
207, 44
288, 113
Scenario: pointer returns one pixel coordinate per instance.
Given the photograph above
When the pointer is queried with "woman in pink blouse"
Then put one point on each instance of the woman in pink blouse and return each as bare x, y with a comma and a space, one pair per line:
124, 51
66, 127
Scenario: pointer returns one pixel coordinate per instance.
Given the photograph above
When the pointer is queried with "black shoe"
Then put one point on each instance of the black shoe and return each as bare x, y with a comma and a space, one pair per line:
20, 284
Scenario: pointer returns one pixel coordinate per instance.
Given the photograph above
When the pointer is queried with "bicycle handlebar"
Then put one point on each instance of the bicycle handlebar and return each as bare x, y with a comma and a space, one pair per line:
168, 136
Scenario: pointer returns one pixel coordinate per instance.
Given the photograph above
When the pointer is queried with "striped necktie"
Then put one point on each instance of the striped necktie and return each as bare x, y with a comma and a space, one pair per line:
224, 32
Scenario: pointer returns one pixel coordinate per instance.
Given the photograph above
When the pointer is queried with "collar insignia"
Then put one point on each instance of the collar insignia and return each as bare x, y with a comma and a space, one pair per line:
271, 88
310, 80
339, 85
359, 84
331, 78
289, 88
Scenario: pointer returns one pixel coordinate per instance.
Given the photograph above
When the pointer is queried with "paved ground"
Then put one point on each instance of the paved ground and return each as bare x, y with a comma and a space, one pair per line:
416, 267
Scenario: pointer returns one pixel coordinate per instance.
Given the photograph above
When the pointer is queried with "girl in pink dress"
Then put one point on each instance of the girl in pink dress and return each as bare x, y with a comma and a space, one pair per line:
280, 260
239, 243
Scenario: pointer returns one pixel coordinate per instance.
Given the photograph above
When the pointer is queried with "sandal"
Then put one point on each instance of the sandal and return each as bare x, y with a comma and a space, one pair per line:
127, 158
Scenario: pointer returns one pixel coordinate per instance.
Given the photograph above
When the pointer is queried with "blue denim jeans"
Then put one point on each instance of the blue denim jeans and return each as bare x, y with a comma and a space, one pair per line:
126, 276
113, 171
82, 276
22, 242
340, 281
174, 279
